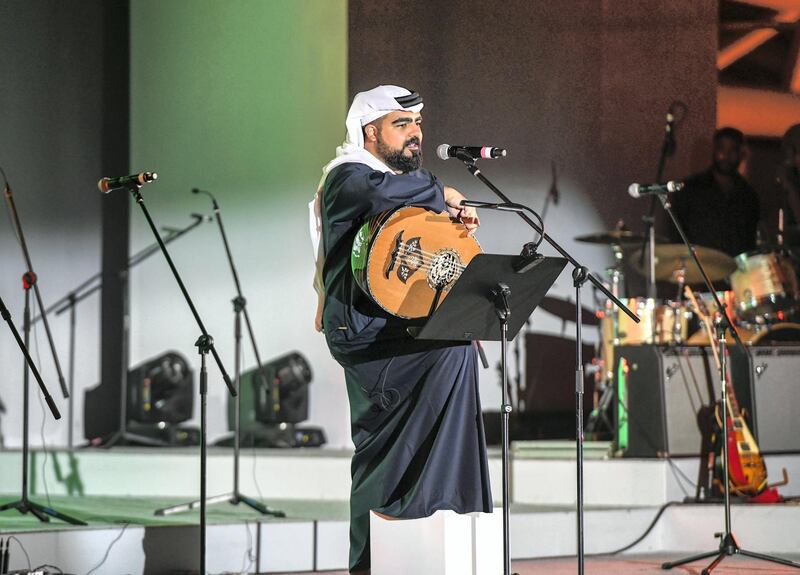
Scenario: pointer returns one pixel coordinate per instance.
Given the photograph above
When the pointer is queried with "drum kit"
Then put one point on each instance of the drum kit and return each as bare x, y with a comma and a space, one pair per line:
763, 300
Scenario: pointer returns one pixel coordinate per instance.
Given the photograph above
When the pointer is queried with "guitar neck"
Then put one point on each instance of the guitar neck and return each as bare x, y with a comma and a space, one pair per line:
733, 404
731, 394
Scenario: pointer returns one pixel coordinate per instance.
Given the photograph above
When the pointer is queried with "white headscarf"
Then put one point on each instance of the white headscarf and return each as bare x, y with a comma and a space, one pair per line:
366, 107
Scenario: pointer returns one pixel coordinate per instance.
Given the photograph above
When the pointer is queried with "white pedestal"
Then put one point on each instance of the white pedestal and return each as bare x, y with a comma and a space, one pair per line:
444, 544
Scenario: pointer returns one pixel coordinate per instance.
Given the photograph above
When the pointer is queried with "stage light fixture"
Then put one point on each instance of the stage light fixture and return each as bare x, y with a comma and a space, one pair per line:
161, 390
275, 393
274, 399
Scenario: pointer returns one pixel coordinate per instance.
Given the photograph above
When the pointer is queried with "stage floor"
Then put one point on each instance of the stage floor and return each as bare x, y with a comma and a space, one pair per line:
117, 492
639, 565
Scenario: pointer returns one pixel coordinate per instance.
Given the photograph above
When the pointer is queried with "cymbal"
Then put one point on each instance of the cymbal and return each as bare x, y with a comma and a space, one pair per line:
566, 310
613, 237
672, 257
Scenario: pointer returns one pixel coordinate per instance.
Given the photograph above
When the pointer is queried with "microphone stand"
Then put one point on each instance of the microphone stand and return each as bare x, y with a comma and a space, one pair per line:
24, 505
239, 308
552, 196
69, 303
204, 344
29, 281
35, 284
668, 148
552, 193
579, 276
727, 542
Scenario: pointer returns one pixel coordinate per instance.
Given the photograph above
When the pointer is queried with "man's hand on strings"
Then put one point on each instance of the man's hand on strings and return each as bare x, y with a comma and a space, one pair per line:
466, 215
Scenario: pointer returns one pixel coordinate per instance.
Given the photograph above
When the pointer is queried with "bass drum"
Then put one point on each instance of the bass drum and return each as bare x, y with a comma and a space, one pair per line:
765, 287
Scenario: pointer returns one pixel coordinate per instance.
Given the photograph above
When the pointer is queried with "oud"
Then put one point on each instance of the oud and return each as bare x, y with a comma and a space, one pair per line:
407, 259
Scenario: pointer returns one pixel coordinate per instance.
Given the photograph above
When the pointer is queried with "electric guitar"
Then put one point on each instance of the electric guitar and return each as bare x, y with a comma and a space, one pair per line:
407, 259
747, 472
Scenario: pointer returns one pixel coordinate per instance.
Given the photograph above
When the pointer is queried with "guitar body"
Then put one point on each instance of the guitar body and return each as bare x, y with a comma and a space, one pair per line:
408, 259
746, 468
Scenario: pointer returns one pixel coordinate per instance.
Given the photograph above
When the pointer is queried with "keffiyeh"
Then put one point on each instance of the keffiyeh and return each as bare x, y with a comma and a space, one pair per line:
366, 107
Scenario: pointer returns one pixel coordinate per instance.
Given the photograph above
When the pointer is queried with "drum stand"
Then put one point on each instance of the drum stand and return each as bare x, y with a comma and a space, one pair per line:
728, 545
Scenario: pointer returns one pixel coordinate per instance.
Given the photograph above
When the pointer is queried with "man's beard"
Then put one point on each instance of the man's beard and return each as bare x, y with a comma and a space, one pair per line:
397, 161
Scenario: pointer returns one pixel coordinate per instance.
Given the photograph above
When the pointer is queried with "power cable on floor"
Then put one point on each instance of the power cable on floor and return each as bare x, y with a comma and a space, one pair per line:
678, 473
21, 546
635, 542
643, 535
108, 550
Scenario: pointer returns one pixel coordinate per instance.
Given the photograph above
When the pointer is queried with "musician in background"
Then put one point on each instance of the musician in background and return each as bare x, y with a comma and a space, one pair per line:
414, 406
717, 207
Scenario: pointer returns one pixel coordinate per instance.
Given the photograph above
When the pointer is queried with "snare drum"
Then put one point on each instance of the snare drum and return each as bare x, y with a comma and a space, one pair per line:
662, 322
765, 287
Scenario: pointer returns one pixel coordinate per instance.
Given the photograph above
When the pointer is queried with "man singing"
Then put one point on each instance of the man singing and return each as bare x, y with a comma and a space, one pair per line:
414, 407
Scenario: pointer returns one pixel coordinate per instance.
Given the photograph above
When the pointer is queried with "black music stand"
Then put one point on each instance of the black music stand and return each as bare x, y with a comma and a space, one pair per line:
479, 307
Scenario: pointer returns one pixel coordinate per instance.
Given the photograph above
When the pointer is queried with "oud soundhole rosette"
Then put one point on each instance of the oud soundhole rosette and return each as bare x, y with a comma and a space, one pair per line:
445, 268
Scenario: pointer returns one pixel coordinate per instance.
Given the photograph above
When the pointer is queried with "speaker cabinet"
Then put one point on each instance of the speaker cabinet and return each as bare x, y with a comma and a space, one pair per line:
665, 387
767, 385
660, 396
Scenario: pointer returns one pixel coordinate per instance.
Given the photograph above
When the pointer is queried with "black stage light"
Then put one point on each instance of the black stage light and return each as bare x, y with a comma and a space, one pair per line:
276, 393
281, 389
274, 399
161, 390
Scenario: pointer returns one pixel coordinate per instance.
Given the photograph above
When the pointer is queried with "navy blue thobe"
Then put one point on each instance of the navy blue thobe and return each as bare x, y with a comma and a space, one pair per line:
415, 411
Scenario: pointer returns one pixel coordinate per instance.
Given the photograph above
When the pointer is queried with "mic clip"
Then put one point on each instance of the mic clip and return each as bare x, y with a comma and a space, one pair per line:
528, 258
466, 157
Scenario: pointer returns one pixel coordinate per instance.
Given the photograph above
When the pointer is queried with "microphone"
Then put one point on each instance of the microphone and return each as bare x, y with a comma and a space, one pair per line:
108, 184
446, 151
639, 190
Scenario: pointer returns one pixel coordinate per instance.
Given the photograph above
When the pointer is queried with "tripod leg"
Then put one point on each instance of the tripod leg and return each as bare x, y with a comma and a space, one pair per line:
12, 505
37, 512
779, 560
41, 512
684, 561
720, 556
260, 507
